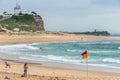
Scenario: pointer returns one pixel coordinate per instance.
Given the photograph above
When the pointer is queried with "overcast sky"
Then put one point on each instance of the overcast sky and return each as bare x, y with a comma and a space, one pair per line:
72, 15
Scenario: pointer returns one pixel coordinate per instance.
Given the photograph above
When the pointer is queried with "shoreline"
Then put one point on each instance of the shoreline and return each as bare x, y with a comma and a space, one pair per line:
51, 71
41, 72
62, 65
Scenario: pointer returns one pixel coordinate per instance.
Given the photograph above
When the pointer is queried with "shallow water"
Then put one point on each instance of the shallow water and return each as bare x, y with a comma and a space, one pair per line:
100, 53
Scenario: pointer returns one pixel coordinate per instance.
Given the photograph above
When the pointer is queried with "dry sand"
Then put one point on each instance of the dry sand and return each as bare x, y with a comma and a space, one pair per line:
6, 38
39, 72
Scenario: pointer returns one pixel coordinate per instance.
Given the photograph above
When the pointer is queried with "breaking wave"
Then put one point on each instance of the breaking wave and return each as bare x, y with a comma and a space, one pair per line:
111, 60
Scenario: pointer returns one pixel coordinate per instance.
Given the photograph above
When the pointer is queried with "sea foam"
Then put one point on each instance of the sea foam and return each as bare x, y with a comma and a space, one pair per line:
111, 60
73, 50
119, 47
104, 52
18, 46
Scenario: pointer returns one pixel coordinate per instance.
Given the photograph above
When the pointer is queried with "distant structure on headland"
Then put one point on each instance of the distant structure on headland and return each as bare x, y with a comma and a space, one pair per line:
18, 11
95, 32
37, 23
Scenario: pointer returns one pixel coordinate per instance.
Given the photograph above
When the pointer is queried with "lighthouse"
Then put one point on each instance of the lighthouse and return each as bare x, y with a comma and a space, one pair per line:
17, 9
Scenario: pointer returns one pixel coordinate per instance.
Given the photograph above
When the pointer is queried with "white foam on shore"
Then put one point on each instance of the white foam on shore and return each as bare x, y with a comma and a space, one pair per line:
73, 50
69, 62
57, 58
18, 46
111, 60
102, 51
119, 47
66, 60
93, 51
34, 43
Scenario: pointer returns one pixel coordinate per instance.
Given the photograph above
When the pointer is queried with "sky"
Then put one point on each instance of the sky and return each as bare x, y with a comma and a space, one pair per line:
72, 15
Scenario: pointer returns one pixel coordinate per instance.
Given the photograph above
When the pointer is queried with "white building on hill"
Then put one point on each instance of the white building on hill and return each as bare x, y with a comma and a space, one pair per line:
18, 12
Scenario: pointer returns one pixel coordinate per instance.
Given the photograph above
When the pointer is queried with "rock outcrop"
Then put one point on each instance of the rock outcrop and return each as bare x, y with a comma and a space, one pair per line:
38, 24
23, 23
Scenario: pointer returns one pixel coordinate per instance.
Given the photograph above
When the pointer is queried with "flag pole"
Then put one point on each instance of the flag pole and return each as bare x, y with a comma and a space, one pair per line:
87, 67
85, 56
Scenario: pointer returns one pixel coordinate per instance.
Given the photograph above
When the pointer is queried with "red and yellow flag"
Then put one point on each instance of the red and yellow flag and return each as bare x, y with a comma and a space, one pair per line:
84, 54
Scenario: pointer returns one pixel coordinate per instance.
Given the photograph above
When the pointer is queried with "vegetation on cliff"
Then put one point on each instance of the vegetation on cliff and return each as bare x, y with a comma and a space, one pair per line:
1, 16
17, 21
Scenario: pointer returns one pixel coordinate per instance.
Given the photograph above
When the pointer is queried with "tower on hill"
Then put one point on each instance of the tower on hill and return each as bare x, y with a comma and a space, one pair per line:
17, 9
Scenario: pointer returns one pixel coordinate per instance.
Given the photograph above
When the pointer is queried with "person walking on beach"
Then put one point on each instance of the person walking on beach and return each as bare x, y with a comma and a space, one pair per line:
7, 64
25, 70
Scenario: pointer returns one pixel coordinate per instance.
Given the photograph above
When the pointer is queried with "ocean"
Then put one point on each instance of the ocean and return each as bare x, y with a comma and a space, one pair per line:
100, 52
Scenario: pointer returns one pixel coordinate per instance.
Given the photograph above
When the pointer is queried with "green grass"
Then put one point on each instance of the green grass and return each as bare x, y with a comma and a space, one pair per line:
16, 21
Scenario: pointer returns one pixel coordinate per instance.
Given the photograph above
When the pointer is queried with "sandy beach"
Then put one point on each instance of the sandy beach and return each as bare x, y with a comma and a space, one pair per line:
28, 38
37, 72
41, 72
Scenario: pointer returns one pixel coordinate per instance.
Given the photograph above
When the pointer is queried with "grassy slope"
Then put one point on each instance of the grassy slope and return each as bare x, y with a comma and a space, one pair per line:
15, 21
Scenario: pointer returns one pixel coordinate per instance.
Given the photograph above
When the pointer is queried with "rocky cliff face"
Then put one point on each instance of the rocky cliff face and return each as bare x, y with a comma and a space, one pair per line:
38, 24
